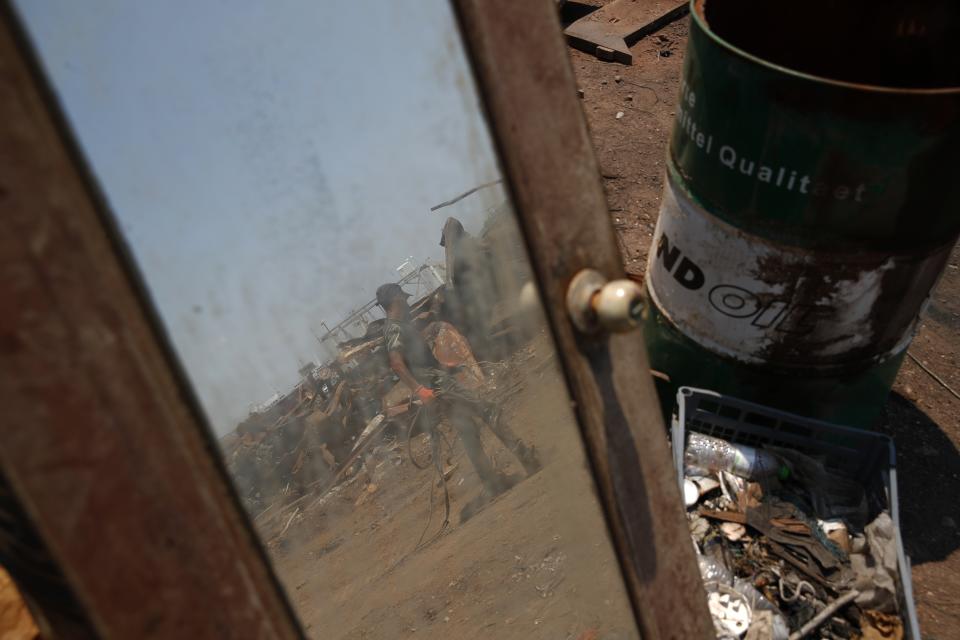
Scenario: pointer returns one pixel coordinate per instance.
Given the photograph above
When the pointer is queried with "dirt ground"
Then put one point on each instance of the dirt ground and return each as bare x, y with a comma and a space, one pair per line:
535, 563
922, 416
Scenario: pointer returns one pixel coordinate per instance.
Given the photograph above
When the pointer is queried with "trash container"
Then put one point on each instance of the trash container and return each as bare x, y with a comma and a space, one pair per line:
808, 208
866, 457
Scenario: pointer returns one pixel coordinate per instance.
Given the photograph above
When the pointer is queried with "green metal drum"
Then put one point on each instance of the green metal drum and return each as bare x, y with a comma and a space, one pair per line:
812, 200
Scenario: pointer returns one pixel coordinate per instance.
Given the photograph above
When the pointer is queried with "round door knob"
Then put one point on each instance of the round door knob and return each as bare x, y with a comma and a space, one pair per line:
594, 304
619, 305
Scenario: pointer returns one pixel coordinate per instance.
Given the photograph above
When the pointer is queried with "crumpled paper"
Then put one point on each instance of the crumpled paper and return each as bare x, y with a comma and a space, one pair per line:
876, 571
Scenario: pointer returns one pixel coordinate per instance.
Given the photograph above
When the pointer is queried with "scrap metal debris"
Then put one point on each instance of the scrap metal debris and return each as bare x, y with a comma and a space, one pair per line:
340, 424
786, 548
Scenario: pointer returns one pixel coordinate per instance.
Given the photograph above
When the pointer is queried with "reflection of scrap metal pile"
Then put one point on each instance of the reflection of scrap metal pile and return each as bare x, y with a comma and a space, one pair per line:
305, 441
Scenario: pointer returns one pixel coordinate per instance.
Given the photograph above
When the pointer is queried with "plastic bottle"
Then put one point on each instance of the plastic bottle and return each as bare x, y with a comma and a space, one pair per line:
714, 454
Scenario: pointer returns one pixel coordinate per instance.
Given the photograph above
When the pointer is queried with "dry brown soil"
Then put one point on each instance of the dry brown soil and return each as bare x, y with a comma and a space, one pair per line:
534, 563
923, 417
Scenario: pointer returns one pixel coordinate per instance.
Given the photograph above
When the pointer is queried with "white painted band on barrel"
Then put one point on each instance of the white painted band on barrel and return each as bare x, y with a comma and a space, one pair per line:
745, 297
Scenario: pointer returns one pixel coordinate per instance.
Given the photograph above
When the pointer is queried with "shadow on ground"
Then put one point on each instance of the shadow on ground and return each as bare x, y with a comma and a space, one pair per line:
572, 11
928, 473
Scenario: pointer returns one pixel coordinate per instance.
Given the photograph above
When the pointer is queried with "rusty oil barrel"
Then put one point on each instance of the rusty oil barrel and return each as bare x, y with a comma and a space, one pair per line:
812, 200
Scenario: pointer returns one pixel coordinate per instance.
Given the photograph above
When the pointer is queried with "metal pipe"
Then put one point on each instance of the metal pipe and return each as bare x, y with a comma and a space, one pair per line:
821, 617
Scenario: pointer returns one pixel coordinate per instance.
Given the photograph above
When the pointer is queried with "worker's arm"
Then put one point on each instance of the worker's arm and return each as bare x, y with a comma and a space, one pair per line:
399, 367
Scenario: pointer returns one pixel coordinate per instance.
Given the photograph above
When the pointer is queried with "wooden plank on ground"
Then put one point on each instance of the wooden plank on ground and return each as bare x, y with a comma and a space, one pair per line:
609, 32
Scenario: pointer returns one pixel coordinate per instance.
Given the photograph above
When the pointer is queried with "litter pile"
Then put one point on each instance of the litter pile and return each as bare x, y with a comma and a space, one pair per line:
788, 547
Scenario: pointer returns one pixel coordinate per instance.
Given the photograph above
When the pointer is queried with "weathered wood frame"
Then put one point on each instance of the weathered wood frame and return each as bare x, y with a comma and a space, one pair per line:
105, 444
526, 81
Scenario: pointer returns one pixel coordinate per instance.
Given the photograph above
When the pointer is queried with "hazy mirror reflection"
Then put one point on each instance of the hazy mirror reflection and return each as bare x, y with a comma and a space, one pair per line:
312, 197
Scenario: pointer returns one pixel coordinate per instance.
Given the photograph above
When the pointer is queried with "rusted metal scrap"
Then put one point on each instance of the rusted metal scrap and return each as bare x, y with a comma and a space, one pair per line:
452, 350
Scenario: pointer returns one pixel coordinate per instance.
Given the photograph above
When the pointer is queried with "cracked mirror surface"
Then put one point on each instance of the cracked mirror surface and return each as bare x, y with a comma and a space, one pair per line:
312, 198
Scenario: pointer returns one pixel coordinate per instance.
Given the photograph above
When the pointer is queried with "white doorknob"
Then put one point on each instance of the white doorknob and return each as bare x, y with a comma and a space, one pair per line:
594, 304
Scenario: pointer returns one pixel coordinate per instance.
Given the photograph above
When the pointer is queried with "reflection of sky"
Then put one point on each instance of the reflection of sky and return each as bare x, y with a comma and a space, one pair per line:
270, 162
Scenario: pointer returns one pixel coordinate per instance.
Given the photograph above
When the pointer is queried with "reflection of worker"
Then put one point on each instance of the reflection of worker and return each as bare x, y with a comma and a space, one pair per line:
471, 288
440, 394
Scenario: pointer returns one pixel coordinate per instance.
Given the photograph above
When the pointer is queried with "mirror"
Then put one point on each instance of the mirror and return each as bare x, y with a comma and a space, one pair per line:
312, 198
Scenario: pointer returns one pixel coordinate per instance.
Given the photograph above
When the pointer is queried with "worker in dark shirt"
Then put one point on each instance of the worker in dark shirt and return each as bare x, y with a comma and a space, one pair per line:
441, 396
